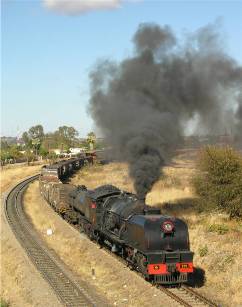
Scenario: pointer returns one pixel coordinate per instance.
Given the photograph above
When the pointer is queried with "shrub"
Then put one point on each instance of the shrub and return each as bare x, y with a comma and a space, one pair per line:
219, 182
4, 303
43, 152
221, 229
203, 251
52, 157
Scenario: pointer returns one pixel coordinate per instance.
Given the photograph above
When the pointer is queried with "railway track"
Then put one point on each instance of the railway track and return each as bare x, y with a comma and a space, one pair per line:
181, 296
186, 296
67, 290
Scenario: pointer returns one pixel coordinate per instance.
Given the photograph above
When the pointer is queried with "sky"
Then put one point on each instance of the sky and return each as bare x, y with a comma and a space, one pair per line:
49, 48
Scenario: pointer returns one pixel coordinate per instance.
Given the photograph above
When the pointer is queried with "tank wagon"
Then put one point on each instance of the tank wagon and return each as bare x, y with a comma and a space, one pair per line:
155, 245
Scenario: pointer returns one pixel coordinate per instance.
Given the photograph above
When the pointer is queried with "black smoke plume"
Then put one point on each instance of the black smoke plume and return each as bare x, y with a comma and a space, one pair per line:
238, 134
143, 104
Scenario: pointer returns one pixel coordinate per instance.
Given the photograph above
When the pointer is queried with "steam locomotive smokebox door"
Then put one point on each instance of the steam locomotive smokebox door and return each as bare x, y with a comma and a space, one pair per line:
146, 231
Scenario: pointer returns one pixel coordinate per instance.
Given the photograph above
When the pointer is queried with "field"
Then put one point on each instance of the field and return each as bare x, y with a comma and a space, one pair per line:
12, 174
215, 240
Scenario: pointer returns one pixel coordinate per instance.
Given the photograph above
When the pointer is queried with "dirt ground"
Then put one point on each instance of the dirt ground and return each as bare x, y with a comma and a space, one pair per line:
21, 284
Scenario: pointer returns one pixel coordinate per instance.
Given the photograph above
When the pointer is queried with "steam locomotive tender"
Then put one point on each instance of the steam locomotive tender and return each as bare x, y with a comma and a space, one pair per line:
155, 245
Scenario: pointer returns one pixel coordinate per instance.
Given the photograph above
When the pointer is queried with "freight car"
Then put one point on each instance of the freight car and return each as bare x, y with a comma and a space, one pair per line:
64, 168
53, 190
155, 245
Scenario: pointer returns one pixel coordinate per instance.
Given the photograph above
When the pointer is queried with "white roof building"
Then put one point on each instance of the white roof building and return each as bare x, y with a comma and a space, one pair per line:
76, 150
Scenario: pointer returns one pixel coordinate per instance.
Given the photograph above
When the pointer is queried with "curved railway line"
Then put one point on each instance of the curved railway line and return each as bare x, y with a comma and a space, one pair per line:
67, 290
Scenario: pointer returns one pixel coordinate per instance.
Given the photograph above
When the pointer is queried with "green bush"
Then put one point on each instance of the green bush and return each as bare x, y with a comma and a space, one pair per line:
219, 182
12, 152
203, 251
4, 303
43, 152
218, 228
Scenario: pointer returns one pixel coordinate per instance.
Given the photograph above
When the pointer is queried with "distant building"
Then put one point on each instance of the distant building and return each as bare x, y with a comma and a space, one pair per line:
76, 150
57, 151
72, 152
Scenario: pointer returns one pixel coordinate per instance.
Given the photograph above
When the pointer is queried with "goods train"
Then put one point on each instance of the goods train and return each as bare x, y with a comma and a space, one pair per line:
155, 245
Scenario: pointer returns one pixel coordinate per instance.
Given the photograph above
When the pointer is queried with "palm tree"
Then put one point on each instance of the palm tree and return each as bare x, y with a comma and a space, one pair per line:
91, 140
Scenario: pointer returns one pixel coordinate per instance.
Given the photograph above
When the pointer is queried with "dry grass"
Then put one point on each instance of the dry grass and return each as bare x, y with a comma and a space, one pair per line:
215, 239
222, 259
11, 175
113, 173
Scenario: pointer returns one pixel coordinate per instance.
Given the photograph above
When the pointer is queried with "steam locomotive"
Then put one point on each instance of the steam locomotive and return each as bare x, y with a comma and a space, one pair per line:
155, 245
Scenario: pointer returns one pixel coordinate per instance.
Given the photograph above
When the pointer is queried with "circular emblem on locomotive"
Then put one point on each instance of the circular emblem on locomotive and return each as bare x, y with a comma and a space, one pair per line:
156, 267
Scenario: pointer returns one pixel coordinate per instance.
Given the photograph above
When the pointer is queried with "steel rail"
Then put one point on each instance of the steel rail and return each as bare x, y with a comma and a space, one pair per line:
188, 298
199, 296
67, 290
175, 297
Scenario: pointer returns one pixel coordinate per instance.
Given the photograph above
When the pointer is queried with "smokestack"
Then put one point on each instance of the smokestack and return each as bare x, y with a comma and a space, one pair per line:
142, 204
143, 104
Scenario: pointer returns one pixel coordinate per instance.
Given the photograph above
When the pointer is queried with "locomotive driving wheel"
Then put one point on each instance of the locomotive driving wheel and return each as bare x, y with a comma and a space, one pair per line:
141, 263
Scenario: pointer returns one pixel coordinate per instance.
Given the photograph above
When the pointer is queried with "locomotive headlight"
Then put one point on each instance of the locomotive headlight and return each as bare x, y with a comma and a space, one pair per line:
168, 226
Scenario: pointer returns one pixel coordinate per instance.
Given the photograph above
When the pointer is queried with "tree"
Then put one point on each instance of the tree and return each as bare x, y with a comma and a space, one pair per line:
27, 140
36, 132
29, 156
4, 145
91, 140
43, 152
36, 145
66, 135
50, 141
12, 152
34, 138
5, 155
